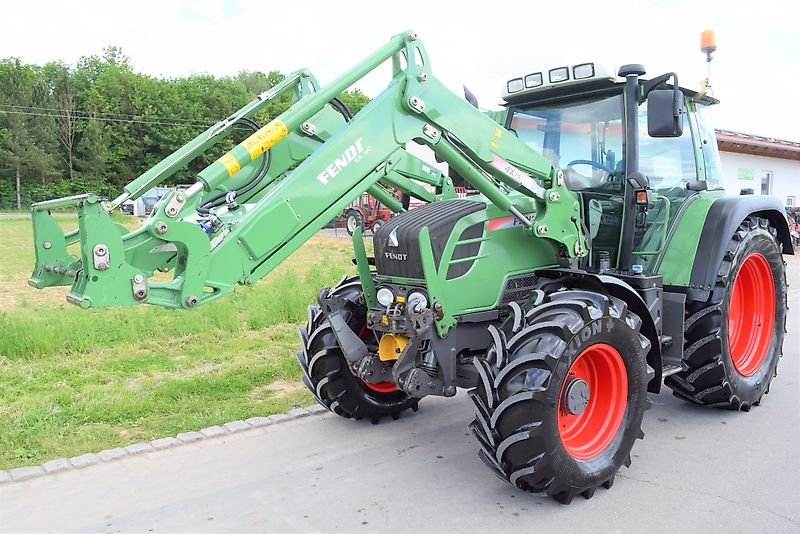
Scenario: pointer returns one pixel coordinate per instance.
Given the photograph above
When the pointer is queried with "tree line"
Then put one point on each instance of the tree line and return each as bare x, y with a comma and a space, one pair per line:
97, 125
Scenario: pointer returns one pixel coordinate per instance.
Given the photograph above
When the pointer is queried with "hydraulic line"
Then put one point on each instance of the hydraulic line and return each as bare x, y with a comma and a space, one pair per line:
220, 198
342, 108
339, 106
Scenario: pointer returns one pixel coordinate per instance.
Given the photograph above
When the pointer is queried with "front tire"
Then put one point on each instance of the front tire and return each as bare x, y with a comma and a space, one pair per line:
562, 394
734, 340
352, 220
325, 370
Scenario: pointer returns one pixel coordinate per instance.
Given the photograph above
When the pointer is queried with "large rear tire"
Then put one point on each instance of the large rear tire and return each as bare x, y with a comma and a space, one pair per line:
734, 340
325, 370
562, 393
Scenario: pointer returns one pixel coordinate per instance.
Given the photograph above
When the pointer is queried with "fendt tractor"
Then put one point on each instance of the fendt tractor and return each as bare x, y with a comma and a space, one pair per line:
596, 257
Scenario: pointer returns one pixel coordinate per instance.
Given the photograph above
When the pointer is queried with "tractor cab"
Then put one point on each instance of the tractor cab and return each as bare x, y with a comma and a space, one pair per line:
576, 116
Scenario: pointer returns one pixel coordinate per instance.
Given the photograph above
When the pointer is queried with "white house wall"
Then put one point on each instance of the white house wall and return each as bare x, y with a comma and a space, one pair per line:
785, 175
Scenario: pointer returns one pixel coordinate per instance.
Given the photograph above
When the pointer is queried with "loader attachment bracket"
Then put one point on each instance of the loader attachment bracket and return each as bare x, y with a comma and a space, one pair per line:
54, 266
333, 307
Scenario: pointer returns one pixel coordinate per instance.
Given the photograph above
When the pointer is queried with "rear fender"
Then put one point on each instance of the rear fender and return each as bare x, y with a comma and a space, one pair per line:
723, 218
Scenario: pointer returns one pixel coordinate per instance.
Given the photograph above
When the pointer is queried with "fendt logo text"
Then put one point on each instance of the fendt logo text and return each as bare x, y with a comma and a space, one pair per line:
395, 256
354, 153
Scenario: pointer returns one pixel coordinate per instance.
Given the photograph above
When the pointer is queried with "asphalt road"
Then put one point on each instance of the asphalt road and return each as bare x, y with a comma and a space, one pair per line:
698, 470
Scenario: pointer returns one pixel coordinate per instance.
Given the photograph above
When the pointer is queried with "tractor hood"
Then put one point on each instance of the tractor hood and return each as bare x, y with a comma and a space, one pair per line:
397, 242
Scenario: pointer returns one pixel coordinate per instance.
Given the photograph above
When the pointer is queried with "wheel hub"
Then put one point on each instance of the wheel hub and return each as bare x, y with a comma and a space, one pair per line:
576, 396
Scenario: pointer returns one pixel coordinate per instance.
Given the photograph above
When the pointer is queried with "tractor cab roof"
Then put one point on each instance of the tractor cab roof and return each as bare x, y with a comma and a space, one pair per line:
582, 80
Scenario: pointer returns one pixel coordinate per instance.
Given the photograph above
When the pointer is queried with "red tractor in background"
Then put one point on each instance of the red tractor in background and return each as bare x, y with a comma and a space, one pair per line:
367, 213
370, 214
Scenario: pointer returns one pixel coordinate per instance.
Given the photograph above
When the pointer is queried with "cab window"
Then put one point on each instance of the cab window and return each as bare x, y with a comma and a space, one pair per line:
713, 164
667, 161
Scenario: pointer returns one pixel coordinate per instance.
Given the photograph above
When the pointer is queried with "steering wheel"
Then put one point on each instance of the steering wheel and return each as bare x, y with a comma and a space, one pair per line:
594, 164
578, 181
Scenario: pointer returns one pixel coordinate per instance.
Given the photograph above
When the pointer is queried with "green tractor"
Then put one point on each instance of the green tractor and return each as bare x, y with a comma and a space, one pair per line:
595, 258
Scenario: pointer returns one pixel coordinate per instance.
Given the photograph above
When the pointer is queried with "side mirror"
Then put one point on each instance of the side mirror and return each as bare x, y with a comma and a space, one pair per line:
665, 113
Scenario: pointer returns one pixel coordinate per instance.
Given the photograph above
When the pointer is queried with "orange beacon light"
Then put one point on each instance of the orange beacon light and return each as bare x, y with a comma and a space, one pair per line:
708, 43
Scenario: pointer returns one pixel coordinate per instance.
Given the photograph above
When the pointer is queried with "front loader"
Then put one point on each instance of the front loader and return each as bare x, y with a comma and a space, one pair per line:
595, 257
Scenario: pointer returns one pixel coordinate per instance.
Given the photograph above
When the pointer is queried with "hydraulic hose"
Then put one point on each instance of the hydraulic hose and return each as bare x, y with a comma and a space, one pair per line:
339, 106
342, 108
219, 198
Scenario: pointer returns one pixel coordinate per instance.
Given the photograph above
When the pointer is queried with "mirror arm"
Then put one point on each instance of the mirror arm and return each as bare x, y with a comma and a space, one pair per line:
649, 85
676, 97
655, 82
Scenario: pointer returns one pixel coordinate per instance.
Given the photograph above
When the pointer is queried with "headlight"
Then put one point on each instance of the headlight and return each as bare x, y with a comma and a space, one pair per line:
533, 80
580, 72
559, 75
417, 301
515, 85
385, 296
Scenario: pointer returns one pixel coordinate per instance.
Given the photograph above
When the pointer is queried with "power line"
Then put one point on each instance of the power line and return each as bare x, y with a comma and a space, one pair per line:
132, 121
92, 115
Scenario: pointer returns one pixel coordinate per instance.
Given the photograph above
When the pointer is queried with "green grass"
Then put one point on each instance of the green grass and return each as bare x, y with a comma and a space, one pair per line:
74, 380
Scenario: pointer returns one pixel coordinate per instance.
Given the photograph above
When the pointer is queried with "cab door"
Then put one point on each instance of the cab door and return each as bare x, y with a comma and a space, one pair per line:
674, 168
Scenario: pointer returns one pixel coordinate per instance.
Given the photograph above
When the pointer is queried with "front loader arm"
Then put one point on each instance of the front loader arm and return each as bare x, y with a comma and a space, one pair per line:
209, 256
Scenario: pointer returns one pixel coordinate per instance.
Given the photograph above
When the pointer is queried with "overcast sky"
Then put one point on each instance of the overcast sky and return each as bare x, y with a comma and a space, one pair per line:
756, 71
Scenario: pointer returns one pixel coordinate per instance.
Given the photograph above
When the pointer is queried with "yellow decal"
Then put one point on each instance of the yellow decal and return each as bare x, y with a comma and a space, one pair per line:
385, 319
262, 140
498, 132
230, 163
401, 298
494, 143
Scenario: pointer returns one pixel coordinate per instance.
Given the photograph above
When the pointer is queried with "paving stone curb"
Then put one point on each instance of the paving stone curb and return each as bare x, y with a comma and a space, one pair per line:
139, 448
84, 460
24, 473
60, 465
56, 466
112, 454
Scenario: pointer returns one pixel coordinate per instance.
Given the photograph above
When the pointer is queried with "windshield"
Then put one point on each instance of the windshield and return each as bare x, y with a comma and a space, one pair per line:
584, 140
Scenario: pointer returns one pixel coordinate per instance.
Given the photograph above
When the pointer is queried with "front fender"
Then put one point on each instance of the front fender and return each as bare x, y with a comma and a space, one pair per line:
651, 319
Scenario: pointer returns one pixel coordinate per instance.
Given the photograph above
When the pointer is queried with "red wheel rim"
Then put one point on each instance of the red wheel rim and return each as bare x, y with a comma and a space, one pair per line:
382, 387
751, 315
378, 387
589, 433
